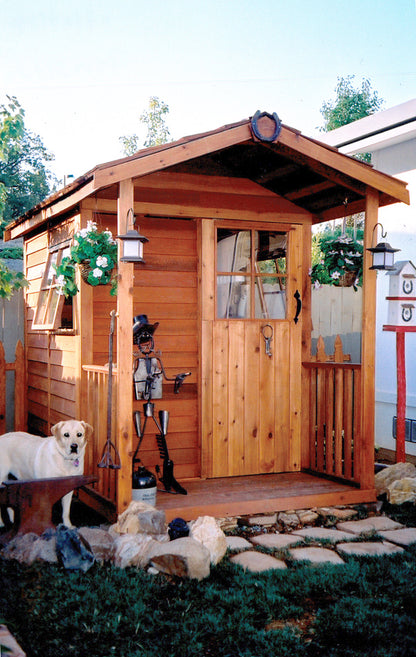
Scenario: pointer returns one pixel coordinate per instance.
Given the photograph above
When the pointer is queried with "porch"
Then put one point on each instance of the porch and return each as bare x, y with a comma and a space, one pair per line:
236, 496
331, 437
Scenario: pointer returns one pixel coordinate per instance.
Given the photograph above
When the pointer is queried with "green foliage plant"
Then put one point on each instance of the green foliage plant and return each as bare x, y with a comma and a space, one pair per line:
25, 179
155, 122
351, 103
12, 253
92, 248
334, 256
10, 281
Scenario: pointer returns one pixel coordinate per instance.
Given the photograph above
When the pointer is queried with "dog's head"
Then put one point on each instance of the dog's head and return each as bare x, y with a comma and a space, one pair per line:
71, 437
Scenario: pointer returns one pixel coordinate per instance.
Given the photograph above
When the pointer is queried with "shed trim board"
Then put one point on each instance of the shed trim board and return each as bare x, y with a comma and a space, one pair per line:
246, 415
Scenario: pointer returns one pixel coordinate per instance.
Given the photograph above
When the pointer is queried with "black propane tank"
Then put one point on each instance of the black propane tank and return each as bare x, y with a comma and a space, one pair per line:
144, 486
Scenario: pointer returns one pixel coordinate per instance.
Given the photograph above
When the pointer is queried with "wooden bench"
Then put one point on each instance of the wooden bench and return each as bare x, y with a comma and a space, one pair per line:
32, 501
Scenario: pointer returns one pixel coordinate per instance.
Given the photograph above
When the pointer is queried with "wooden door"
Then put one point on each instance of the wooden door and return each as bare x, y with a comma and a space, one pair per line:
251, 352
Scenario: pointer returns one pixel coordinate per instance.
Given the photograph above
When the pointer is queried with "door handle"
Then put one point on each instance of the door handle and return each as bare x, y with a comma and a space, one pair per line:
298, 306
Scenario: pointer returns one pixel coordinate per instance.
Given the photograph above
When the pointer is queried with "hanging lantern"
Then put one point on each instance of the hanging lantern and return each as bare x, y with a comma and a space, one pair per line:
383, 253
132, 242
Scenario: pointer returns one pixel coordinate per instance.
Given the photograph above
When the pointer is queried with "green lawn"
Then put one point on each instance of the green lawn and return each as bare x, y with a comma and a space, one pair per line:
365, 607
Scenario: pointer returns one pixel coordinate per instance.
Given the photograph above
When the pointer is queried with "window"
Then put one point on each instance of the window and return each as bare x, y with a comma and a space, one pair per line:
251, 274
53, 310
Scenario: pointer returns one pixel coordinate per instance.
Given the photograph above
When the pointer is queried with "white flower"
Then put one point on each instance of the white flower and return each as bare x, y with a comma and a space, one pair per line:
101, 261
60, 280
110, 236
349, 262
335, 275
84, 232
97, 273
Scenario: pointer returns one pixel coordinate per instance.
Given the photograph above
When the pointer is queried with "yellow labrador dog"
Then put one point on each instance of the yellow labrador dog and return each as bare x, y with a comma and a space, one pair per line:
33, 457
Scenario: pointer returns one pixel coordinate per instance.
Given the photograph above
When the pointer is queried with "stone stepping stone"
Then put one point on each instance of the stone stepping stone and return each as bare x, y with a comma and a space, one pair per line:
315, 555
277, 541
378, 523
405, 536
257, 562
307, 517
334, 512
322, 533
368, 549
263, 521
237, 543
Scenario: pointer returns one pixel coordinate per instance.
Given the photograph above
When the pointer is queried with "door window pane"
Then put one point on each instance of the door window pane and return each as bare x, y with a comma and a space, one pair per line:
233, 297
270, 298
251, 274
270, 249
233, 250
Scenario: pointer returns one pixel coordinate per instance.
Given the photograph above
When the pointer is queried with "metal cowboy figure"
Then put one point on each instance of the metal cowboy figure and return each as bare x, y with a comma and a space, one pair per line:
147, 376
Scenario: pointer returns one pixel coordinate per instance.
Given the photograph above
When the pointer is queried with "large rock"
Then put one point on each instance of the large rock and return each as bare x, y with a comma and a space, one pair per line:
99, 541
184, 557
72, 551
288, 519
20, 548
140, 518
385, 478
132, 550
9, 645
402, 490
206, 530
28, 548
44, 549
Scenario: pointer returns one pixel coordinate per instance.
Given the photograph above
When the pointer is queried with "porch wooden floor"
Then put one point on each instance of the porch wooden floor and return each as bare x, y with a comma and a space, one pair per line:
234, 496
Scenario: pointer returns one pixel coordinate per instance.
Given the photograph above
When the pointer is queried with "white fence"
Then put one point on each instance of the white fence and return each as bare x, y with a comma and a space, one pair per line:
337, 311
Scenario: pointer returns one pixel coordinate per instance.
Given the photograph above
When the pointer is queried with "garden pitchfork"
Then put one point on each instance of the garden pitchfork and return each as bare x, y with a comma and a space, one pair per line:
107, 460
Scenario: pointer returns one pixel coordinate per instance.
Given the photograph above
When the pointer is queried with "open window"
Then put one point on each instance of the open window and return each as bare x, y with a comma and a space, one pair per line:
251, 274
53, 311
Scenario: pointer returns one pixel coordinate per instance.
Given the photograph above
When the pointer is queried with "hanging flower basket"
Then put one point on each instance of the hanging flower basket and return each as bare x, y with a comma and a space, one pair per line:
85, 270
348, 279
96, 255
340, 262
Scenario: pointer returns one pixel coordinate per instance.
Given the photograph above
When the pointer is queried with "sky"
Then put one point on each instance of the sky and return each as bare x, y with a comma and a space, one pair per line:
84, 70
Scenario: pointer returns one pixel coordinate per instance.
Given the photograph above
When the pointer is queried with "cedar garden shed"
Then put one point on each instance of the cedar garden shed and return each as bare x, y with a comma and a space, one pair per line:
259, 425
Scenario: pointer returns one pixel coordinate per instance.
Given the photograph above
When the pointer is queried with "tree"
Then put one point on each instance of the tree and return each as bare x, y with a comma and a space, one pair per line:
157, 130
350, 104
24, 177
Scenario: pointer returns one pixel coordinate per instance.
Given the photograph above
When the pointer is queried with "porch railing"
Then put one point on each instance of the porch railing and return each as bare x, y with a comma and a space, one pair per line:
95, 405
334, 416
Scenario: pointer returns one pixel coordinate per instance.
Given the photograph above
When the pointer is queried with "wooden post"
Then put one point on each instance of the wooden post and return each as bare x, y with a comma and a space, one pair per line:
306, 345
124, 424
84, 327
368, 346
401, 397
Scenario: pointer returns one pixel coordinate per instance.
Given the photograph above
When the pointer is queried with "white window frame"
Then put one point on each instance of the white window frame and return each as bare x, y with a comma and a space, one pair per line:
50, 302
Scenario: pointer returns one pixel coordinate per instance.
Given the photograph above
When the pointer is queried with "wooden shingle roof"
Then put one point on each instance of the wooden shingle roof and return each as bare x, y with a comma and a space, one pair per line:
306, 172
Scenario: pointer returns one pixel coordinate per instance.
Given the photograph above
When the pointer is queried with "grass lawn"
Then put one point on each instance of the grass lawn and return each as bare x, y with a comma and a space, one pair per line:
365, 607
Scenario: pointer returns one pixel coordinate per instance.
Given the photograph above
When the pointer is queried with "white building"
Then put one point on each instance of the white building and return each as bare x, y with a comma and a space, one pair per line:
390, 137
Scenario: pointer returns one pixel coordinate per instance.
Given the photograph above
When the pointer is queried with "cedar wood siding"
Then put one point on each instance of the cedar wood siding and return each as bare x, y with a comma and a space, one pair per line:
50, 357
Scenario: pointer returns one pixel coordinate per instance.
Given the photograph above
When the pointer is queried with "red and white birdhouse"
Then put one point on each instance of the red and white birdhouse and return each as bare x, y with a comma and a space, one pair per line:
402, 295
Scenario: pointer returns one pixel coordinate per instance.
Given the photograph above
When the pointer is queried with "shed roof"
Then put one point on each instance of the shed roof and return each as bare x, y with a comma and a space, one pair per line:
306, 172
